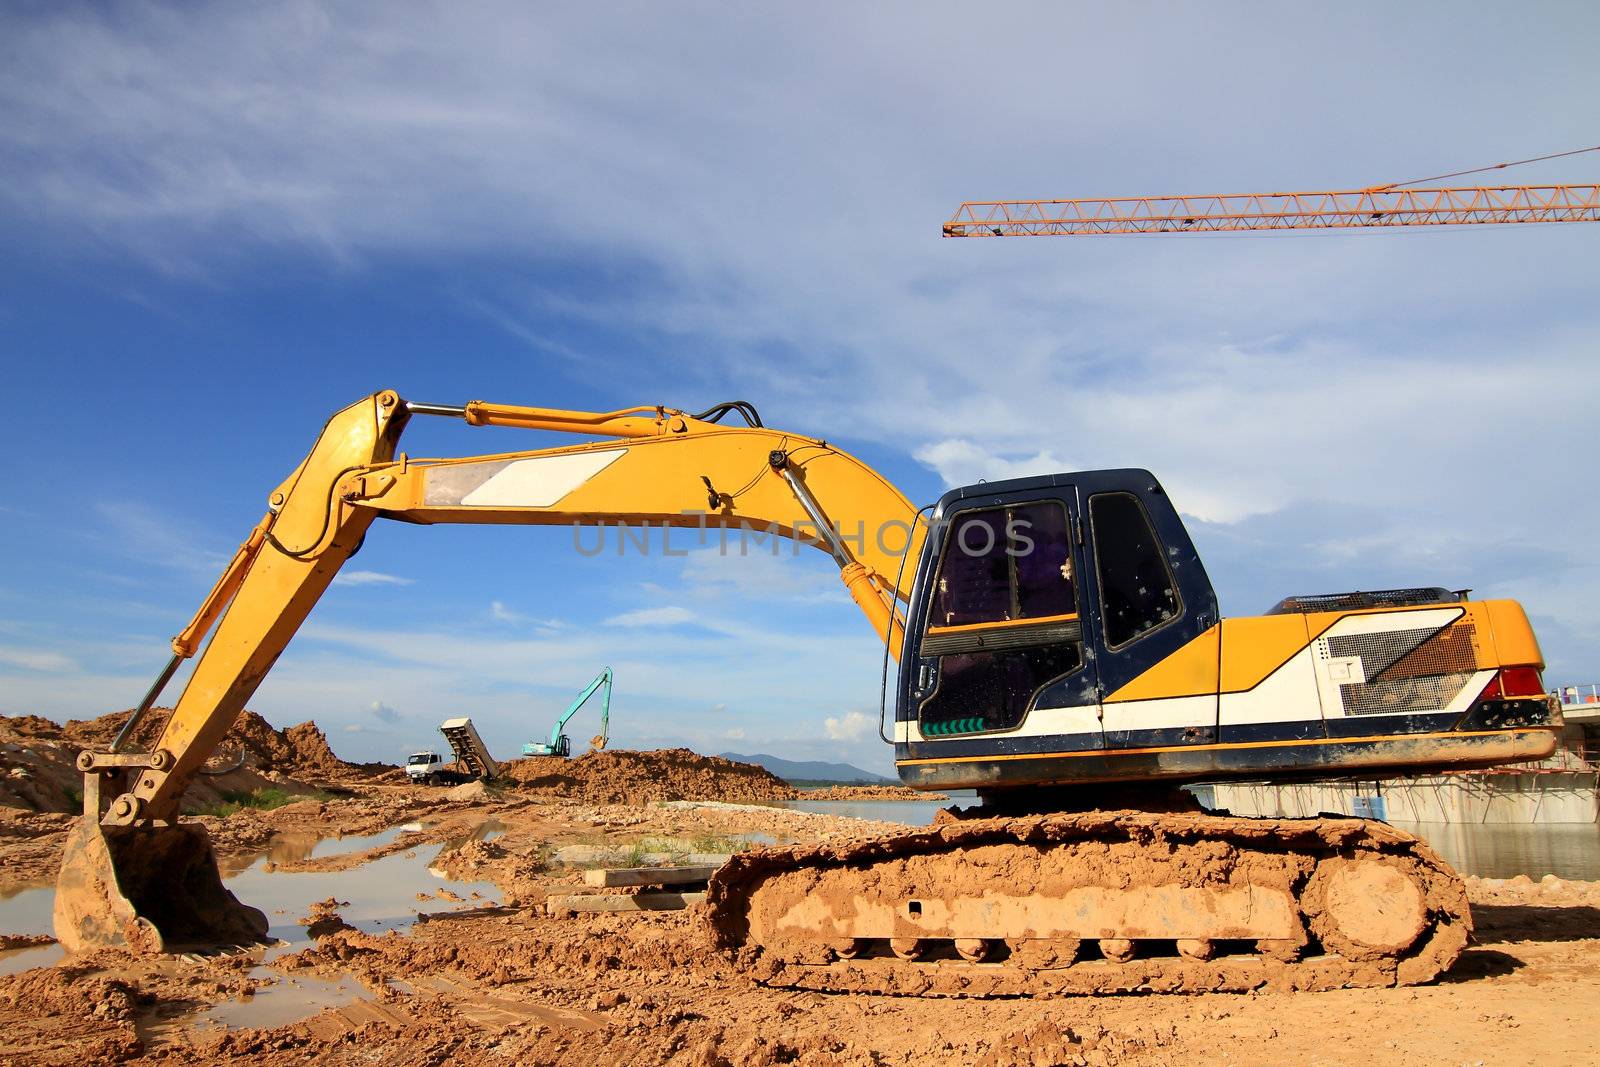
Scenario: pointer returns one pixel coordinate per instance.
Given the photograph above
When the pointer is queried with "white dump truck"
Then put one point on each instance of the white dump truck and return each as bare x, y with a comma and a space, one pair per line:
471, 758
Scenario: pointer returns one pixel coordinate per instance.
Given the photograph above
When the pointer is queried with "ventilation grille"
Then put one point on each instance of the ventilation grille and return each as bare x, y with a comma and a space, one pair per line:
1407, 670
1382, 598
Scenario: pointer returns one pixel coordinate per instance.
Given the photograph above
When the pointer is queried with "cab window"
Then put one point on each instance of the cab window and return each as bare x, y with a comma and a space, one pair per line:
1137, 593
1000, 565
1005, 564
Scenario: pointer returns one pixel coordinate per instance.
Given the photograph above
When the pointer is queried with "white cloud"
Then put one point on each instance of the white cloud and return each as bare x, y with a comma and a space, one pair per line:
146, 534
383, 712
735, 734
35, 659
671, 615
370, 578
499, 612
795, 573
852, 726
960, 462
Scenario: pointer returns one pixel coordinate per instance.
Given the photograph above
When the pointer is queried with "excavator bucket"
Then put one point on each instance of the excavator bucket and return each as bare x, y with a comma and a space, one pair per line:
147, 889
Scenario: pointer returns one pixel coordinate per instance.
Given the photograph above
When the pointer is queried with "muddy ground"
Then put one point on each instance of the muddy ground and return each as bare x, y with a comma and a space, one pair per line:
481, 971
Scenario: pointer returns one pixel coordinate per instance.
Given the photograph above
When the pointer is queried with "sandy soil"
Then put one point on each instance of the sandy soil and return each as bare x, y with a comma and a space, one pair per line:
37, 771
503, 982
870, 792
623, 776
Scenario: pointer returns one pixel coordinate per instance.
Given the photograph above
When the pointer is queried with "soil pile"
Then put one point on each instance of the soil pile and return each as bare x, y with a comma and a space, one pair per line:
297, 750
68, 1015
870, 792
620, 776
37, 769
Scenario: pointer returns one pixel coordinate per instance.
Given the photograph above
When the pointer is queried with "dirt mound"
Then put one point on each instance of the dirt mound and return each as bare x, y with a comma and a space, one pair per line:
621, 776
28, 728
37, 770
869, 792
301, 749
73, 1015
468, 791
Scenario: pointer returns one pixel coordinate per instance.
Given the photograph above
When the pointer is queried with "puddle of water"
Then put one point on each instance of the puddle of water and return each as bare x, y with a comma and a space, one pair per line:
285, 1000
382, 893
296, 847
1566, 851
18, 960
27, 911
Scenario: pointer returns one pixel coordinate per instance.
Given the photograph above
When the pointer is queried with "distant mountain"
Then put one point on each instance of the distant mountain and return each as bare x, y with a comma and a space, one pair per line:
808, 770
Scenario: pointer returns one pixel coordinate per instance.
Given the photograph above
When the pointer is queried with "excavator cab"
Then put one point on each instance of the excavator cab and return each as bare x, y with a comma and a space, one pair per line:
1034, 597
1062, 631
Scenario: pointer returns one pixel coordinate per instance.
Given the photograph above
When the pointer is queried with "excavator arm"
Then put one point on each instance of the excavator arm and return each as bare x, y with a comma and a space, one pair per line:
602, 684
653, 467
648, 466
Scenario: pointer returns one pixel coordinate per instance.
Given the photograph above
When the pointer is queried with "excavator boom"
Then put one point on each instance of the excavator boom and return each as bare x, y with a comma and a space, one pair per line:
653, 466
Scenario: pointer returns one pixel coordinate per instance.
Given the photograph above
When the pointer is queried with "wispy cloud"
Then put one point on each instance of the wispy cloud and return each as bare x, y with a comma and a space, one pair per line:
500, 612
793, 573
670, 615
142, 532
961, 462
370, 578
35, 659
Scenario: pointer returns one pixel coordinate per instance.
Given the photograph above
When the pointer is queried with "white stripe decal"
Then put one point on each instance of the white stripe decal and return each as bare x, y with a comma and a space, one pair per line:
1290, 694
541, 481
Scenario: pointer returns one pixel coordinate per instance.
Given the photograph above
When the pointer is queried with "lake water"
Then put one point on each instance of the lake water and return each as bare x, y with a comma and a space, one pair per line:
1486, 851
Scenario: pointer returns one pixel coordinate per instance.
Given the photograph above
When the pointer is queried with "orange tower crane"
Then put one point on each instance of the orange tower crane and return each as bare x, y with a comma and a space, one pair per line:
1378, 205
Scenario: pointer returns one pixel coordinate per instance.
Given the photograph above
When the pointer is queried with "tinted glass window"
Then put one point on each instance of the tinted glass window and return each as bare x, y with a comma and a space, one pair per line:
975, 578
1136, 588
980, 691
1043, 561
1004, 564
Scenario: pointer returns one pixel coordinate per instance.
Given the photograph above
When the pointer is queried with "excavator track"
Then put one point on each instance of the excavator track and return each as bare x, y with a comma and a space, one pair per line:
1095, 902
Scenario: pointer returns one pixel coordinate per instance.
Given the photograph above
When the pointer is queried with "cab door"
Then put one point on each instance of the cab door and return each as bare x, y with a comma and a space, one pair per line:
1152, 618
1001, 651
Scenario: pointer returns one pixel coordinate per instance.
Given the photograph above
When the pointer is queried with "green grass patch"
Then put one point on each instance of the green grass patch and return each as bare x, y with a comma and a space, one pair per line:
264, 799
717, 844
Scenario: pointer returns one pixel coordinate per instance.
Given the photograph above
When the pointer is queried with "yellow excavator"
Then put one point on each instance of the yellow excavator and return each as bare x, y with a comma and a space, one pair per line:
1060, 651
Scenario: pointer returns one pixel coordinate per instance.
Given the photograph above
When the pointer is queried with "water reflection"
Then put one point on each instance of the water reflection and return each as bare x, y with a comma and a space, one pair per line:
283, 1000
385, 894
1507, 851
300, 845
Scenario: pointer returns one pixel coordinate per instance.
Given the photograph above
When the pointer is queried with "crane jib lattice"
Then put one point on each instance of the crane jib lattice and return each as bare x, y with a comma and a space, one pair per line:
1466, 205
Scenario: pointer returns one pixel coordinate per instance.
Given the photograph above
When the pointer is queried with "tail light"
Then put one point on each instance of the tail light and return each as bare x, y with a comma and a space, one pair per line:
1509, 683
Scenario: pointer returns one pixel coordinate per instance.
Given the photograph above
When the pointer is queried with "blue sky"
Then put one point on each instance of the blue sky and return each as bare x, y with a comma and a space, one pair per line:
220, 224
